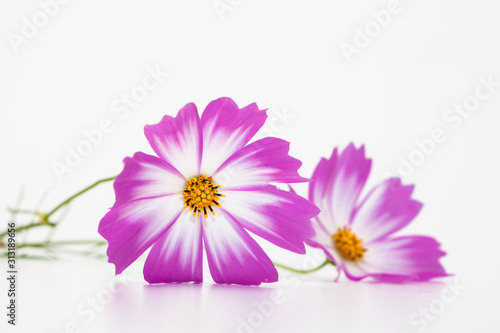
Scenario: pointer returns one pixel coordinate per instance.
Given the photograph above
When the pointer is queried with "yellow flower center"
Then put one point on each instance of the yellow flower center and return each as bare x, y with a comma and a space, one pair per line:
201, 194
348, 244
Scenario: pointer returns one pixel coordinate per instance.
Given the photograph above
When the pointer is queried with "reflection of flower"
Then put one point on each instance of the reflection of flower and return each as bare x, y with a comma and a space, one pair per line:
152, 194
357, 236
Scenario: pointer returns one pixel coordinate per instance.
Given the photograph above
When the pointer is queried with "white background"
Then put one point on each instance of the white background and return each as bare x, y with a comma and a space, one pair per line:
286, 56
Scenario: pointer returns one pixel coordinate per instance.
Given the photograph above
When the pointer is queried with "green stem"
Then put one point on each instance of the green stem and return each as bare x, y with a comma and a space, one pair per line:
67, 201
57, 243
44, 218
306, 271
23, 211
29, 226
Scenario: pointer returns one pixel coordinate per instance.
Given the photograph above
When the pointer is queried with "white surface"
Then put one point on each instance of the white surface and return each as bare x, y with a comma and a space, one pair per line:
284, 55
83, 294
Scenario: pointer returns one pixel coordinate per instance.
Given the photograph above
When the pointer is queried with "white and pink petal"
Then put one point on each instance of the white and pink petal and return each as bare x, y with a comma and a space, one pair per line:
322, 178
337, 183
146, 177
178, 141
133, 227
260, 163
280, 217
226, 129
177, 256
234, 257
413, 258
323, 240
386, 209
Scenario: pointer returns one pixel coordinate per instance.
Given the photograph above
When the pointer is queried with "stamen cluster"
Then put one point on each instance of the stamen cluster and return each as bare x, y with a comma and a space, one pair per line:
348, 244
200, 194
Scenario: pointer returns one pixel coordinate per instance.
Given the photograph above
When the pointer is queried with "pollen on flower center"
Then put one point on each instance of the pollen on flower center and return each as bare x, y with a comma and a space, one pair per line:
200, 194
348, 244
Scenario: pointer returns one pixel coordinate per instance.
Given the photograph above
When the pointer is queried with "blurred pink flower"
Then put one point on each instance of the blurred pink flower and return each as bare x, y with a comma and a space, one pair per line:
357, 235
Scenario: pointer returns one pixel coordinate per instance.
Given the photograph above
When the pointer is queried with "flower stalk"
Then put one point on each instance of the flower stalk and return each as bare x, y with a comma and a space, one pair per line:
305, 271
44, 220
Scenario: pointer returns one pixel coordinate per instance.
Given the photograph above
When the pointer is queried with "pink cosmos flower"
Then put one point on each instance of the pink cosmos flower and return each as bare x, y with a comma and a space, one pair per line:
357, 235
203, 190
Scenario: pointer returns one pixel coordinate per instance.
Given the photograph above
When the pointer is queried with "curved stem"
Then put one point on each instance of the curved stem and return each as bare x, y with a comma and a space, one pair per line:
67, 201
305, 271
44, 218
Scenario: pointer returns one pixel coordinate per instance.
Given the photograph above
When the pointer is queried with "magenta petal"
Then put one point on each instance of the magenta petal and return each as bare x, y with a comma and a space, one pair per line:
404, 258
133, 227
145, 176
177, 254
178, 140
280, 217
260, 163
226, 129
319, 188
386, 209
233, 256
323, 178
336, 185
